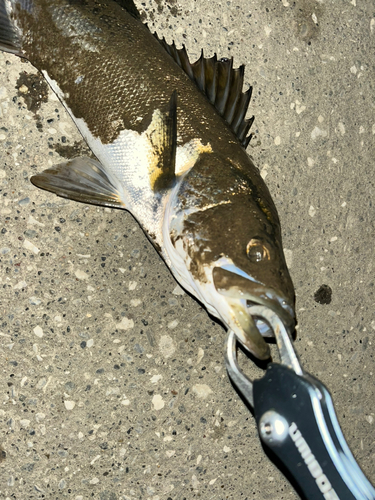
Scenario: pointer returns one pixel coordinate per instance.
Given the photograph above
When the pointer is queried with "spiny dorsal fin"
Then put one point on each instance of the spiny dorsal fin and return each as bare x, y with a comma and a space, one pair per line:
221, 84
130, 6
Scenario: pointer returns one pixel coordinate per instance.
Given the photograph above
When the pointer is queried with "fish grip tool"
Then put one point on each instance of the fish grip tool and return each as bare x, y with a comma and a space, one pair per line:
296, 420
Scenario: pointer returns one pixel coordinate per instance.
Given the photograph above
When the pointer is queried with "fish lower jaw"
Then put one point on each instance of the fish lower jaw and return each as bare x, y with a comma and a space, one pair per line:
249, 336
263, 328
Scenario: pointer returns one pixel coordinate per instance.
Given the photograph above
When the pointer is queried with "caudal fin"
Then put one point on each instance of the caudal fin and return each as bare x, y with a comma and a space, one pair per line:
9, 35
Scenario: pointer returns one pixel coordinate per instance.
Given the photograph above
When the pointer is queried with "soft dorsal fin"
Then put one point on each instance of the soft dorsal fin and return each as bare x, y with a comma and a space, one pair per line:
221, 84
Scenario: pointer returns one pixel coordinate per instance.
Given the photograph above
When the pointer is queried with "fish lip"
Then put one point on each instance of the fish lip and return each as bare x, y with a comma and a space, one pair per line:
253, 292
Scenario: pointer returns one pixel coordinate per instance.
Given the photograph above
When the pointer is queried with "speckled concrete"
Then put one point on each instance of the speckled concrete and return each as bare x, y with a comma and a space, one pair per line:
113, 383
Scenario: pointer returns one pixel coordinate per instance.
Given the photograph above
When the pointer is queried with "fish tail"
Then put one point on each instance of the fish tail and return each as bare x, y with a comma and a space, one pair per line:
10, 35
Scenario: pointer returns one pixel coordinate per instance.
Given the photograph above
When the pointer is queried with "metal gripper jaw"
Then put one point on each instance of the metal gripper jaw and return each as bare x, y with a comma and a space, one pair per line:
297, 421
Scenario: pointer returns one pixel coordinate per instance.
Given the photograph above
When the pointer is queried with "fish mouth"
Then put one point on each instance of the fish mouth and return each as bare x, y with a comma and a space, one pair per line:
241, 292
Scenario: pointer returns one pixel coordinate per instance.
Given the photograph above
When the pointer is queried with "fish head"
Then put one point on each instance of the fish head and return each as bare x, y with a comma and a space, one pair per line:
233, 250
253, 271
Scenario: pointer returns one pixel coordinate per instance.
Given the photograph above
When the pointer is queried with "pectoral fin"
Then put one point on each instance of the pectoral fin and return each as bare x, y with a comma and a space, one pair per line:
82, 179
162, 138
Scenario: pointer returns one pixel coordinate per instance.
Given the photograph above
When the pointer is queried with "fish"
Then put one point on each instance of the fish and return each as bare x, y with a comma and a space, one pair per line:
169, 139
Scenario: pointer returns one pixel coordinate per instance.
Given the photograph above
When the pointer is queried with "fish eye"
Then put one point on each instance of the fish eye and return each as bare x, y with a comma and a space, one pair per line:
257, 250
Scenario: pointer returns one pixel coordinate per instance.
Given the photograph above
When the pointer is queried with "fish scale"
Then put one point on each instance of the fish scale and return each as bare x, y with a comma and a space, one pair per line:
169, 137
128, 90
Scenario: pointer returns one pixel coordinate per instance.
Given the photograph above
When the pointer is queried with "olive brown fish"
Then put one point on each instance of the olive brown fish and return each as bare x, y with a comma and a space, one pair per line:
170, 138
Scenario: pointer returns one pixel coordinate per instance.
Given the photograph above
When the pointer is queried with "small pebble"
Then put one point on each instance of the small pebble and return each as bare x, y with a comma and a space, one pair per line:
34, 301
202, 391
155, 379
20, 285
30, 246
38, 331
81, 275
317, 132
167, 346
125, 324
158, 402
178, 290
24, 202
69, 405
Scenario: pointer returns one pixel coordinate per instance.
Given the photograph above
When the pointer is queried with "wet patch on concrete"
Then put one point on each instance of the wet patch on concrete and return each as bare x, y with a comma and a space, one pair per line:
323, 295
307, 16
34, 90
78, 148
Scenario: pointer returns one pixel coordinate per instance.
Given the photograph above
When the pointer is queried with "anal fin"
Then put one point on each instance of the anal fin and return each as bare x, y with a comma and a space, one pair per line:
82, 179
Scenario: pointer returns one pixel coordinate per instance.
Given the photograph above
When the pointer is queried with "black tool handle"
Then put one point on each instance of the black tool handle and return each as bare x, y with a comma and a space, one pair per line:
297, 421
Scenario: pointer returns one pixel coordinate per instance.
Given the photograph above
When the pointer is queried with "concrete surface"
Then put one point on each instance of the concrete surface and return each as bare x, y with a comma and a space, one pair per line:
113, 383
